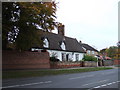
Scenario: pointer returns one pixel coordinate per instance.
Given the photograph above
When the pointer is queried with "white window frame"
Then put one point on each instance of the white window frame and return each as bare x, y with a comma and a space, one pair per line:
63, 46
63, 55
77, 57
46, 43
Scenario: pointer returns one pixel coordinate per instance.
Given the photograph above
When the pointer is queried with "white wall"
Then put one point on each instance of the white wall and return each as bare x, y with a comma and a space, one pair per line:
58, 54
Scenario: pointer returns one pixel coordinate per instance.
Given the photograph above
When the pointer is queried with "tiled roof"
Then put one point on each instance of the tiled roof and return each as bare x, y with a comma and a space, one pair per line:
88, 47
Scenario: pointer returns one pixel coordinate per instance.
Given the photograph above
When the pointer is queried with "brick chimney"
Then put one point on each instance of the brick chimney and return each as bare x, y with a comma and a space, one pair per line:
61, 30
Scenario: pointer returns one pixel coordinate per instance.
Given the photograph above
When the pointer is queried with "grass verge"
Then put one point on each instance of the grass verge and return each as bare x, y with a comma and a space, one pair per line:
38, 73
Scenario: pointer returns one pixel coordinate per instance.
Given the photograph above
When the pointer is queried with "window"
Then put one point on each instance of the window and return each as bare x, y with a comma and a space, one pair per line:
46, 43
77, 57
88, 51
63, 57
63, 46
93, 52
70, 57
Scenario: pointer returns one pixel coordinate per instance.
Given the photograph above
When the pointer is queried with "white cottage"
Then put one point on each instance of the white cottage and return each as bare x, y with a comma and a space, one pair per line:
62, 47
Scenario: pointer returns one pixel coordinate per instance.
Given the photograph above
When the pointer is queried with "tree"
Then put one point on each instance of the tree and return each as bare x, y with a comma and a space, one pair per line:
22, 21
112, 51
104, 51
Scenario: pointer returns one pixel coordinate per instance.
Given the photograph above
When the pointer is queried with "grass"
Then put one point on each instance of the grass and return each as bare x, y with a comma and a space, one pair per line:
38, 73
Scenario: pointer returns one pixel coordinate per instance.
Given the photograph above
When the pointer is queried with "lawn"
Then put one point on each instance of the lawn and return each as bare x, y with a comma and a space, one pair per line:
39, 73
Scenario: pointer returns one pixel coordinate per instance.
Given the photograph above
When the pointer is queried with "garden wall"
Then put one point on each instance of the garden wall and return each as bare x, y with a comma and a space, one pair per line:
108, 62
25, 60
90, 64
116, 62
65, 64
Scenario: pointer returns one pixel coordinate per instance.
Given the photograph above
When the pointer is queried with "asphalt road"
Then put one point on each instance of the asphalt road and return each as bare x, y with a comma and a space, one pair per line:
91, 80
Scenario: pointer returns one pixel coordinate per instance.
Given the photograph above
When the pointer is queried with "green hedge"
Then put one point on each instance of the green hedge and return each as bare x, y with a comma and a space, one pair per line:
89, 58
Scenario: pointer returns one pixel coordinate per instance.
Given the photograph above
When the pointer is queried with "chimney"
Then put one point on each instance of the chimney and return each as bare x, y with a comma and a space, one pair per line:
61, 30
80, 41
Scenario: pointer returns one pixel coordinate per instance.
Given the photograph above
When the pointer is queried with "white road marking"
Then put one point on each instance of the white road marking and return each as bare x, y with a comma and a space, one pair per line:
107, 84
97, 87
95, 82
81, 77
108, 73
27, 84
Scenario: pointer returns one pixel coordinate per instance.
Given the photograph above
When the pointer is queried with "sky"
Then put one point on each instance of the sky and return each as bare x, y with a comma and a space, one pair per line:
94, 22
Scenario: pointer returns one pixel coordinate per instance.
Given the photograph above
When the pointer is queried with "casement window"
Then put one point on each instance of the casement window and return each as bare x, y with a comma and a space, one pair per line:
77, 57
63, 57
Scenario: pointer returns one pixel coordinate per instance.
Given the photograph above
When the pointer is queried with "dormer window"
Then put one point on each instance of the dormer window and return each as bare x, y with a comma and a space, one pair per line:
63, 46
45, 43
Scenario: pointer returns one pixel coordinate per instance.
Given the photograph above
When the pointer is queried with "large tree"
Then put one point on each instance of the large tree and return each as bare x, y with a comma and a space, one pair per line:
112, 51
22, 21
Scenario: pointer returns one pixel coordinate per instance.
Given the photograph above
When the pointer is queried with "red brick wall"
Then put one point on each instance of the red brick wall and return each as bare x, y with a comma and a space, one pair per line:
65, 64
116, 62
25, 60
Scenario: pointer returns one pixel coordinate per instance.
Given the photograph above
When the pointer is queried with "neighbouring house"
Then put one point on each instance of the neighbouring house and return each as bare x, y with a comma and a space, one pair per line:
62, 47
89, 49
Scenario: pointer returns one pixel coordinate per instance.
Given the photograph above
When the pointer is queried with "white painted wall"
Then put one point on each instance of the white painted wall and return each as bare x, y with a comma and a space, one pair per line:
58, 54
72, 55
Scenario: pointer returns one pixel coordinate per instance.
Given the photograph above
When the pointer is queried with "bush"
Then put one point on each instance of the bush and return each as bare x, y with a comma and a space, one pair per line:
89, 58
54, 59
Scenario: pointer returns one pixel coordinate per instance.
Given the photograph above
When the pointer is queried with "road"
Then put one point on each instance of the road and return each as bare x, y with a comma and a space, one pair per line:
91, 80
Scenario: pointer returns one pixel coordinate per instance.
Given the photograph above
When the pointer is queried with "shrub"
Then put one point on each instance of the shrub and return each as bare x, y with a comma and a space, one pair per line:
54, 59
89, 58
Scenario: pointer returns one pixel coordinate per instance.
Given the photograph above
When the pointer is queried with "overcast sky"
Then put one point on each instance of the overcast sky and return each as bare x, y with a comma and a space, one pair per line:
94, 22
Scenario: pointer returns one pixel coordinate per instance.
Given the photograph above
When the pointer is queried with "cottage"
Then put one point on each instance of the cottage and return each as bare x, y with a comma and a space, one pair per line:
62, 47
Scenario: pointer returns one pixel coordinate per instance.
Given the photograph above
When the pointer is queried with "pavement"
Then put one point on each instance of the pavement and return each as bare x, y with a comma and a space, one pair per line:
89, 80
80, 68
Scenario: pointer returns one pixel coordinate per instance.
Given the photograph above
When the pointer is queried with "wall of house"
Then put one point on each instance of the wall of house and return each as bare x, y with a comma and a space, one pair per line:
72, 56
25, 60
91, 53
